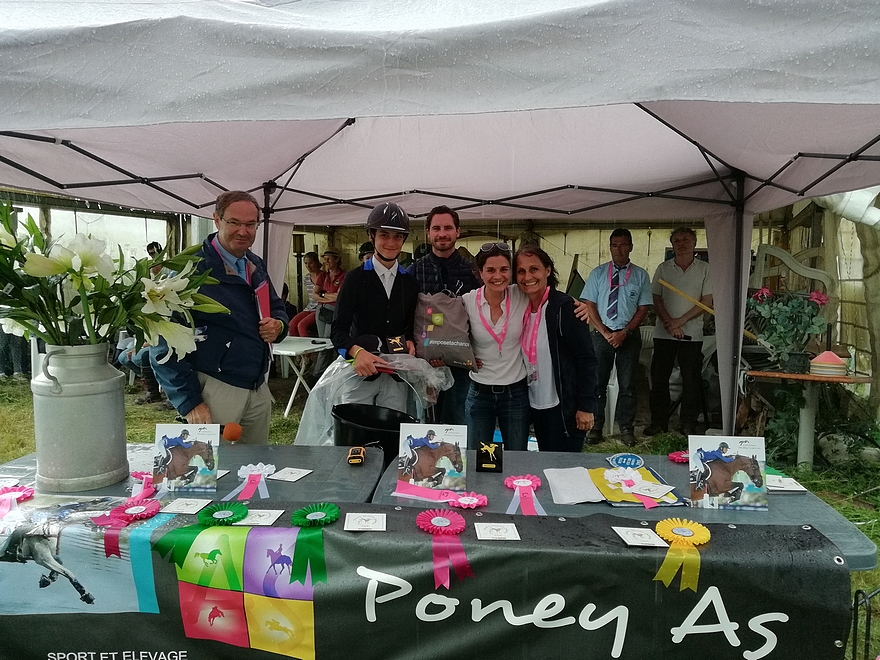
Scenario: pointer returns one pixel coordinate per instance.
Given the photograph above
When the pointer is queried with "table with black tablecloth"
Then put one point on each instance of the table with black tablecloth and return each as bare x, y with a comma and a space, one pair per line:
568, 588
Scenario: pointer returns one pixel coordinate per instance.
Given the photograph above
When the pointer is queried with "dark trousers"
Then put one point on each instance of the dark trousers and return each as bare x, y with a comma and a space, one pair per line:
690, 361
550, 431
627, 359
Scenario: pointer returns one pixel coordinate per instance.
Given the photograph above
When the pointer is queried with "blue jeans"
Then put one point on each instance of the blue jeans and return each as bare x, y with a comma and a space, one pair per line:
627, 358
451, 402
509, 404
137, 361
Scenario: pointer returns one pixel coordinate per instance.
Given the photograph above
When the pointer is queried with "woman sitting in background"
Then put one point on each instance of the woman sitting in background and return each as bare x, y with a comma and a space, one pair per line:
559, 357
302, 324
498, 389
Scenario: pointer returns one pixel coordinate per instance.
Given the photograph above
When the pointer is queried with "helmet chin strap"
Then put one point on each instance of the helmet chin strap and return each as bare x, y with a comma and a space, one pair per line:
383, 258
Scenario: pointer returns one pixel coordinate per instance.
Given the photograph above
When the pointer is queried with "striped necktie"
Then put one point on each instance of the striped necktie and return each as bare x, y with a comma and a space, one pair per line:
611, 312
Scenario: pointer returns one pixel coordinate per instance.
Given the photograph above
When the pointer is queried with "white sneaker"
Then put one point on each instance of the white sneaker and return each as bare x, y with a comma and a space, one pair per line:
19, 376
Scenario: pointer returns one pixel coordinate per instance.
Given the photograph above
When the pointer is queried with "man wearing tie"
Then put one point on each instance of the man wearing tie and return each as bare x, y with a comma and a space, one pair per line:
616, 297
375, 310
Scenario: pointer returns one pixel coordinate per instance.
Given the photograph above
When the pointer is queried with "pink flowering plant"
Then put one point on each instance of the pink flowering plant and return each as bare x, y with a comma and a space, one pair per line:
785, 321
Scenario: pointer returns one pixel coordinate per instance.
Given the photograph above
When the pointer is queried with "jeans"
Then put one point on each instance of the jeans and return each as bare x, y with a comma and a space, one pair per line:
627, 358
690, 361
509, 404
451, 402
550, 431
137, 361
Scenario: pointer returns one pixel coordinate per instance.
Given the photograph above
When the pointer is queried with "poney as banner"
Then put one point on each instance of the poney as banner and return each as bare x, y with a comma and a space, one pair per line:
564, 587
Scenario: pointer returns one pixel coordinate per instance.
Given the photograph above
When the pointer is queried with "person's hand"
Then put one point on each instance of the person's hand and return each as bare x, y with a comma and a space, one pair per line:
410, 347
437, 363
616, 338
270, 329
365, 363
580, 311
584, 420
479, 363
201, 414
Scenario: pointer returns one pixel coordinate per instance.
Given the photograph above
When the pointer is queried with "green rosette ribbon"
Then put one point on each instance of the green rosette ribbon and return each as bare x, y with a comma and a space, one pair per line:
175, 545
222, 513
308, 550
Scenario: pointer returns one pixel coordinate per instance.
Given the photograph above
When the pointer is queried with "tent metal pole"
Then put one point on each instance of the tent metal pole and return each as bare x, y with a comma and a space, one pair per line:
268, 188
729, 413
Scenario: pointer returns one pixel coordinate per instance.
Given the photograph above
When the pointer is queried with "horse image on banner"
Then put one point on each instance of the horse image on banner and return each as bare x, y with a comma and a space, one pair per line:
727, 473
431, 456
185, 457
52, 537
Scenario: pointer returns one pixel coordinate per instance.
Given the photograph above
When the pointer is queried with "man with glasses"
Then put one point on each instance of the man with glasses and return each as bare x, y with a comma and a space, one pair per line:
224, 380
375, 310
617, 296
444, 270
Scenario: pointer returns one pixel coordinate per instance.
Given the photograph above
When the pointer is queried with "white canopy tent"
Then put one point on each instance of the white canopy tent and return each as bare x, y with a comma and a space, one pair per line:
602, 111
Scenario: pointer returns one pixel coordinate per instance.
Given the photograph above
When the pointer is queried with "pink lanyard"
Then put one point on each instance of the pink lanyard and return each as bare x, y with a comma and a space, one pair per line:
499, 339
611, 284
530, 345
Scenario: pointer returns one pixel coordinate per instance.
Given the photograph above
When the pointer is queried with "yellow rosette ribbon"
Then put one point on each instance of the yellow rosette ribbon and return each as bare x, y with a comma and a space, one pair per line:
683, 536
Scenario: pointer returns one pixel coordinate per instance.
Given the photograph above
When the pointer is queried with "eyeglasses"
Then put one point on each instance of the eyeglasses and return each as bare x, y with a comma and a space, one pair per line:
235, 224
486, 247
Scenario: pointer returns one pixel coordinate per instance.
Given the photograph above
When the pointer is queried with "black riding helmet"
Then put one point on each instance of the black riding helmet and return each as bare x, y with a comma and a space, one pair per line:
723, 445
388, 216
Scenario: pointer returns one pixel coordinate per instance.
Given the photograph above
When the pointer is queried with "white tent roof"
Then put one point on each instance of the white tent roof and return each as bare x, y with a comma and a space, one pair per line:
544, 109
472, 100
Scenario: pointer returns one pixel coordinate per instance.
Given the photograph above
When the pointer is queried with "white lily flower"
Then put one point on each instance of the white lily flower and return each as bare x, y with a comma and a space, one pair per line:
6, 238
12, 327
84, 257
162, 296
180, 338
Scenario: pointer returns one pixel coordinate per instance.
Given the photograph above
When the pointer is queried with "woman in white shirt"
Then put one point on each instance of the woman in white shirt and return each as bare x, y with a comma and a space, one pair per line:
498, 390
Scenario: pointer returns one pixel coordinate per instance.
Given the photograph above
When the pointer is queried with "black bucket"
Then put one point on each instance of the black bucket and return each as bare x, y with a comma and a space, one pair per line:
363, 425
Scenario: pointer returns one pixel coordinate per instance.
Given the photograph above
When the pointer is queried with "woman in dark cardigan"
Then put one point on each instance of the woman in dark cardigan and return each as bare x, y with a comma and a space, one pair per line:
559, 357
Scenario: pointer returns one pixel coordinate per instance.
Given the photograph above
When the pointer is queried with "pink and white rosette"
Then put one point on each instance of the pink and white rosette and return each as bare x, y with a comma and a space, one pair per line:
11, 495
468, 500
444, 526
524, 497
254, 477
122, 516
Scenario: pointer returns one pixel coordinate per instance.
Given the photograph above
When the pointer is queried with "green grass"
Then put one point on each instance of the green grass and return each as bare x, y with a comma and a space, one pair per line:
851, 489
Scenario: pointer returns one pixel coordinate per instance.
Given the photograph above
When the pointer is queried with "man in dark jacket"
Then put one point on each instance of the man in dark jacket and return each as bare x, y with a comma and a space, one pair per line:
224, 379
443, 269
375, 310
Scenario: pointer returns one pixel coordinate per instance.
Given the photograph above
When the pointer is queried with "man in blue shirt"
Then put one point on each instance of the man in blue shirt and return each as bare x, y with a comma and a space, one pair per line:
617, 296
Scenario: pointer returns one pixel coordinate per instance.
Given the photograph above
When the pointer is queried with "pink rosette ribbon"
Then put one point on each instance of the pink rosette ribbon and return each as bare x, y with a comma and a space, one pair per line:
679, 457
444, 526
469, 500
122, 516
524, 497
254, 480
11, 494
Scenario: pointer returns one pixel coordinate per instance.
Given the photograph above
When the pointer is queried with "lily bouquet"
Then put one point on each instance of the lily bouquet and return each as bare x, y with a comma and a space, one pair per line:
784, 322
76, 293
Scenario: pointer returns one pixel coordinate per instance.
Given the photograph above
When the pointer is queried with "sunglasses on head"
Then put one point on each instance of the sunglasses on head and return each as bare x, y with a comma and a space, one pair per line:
485, 247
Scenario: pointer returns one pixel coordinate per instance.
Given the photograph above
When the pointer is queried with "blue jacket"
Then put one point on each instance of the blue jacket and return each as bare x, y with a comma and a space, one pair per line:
232, 350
